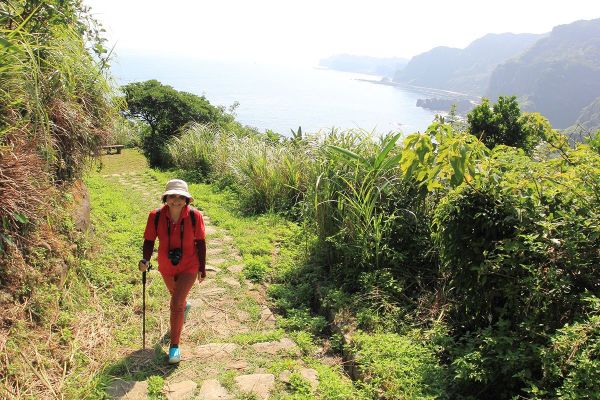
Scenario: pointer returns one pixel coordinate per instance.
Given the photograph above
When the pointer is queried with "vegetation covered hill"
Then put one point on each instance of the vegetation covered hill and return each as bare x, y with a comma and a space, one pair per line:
558, 76
465, 70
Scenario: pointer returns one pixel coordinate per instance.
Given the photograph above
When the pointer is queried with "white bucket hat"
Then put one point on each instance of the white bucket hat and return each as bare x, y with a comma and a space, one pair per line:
177, 186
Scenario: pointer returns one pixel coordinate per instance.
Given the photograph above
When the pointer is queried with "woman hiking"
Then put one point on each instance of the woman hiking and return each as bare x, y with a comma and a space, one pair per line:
181, 252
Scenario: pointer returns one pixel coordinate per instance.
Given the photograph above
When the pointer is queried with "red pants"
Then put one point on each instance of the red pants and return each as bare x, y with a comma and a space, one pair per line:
179, 286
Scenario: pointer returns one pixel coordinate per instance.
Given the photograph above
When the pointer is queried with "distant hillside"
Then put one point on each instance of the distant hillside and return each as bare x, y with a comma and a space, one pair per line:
558, 76
364, 64
589, 118
464, 70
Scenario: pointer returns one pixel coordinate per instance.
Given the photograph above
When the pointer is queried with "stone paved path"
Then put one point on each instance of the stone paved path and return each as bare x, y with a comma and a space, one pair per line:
218, 362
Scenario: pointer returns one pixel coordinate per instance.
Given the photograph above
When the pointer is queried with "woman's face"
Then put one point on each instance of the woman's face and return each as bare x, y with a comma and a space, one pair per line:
176, 201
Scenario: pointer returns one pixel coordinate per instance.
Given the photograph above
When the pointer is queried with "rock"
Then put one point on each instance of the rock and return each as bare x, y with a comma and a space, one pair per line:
210, 230
285, 376
275, 347
214, 250
180, 390
309, 374
206, 291
232, 282
128, 390
266, 316
258, 384
243, 316
235, 269
238, 364
215, 351
212, 268
212, 390
217, 261
81, 207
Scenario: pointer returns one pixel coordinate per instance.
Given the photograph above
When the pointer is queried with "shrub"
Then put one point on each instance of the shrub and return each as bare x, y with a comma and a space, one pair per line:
302, 320
503, 124
572, 361
519, 248
398, 367
255, 270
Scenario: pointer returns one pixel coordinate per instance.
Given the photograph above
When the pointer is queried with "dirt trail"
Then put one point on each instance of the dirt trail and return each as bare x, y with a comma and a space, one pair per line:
220, 358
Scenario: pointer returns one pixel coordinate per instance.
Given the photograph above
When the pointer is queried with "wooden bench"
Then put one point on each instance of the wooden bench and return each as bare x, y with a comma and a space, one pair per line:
110, 148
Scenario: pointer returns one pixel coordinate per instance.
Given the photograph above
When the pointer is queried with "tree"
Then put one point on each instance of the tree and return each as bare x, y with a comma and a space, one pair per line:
503, 123
166, 111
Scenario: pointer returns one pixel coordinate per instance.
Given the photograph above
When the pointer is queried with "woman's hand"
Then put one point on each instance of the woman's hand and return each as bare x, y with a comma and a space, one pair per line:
143, 265
200, 277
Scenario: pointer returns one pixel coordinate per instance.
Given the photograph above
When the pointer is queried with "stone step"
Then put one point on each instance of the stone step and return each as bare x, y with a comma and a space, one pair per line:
212, 390
258, 384
283, 345
130, 390
180, 390
311, 375
215, 351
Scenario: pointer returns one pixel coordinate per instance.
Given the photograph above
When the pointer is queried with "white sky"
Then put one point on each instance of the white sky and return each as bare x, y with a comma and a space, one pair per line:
301, 32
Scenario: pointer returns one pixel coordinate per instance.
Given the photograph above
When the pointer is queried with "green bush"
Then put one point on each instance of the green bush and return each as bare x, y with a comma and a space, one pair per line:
504, 124
255, 270
302, 320
571, 363
398, 367
500, 245
519, 249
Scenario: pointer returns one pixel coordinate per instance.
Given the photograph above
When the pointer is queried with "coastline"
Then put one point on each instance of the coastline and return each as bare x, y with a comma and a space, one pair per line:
440, 93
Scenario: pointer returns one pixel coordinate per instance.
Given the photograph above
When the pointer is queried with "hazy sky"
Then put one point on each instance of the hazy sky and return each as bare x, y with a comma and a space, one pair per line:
301, 32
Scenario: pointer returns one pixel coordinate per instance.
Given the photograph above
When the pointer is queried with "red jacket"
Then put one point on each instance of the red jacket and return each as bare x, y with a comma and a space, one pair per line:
189, 262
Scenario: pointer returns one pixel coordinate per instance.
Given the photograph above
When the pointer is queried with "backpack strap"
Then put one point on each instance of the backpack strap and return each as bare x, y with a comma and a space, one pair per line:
156, 219
193, 217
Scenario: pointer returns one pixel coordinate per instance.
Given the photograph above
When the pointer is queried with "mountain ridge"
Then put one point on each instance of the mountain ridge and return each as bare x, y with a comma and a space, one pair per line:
464, 70
558, 76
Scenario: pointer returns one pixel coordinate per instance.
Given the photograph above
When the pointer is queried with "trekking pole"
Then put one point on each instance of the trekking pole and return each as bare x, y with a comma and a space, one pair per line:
144, 307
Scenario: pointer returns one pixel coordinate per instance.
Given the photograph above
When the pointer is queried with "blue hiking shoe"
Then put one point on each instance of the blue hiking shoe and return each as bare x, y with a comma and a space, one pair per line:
188, 305
174, 355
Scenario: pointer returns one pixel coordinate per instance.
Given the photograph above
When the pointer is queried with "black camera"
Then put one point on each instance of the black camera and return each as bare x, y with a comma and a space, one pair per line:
175, 256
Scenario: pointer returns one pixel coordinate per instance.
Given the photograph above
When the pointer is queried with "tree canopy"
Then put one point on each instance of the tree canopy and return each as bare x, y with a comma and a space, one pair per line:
503, 123
166, 111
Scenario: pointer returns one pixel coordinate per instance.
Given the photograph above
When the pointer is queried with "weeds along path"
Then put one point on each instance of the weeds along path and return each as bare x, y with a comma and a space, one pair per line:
231, 348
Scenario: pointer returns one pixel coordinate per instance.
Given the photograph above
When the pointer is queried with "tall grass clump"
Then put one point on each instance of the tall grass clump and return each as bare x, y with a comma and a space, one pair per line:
55, 112
267, 175
270, 176
202, 150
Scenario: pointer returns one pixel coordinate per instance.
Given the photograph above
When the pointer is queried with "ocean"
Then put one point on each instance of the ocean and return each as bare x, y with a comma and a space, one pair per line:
281, 98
